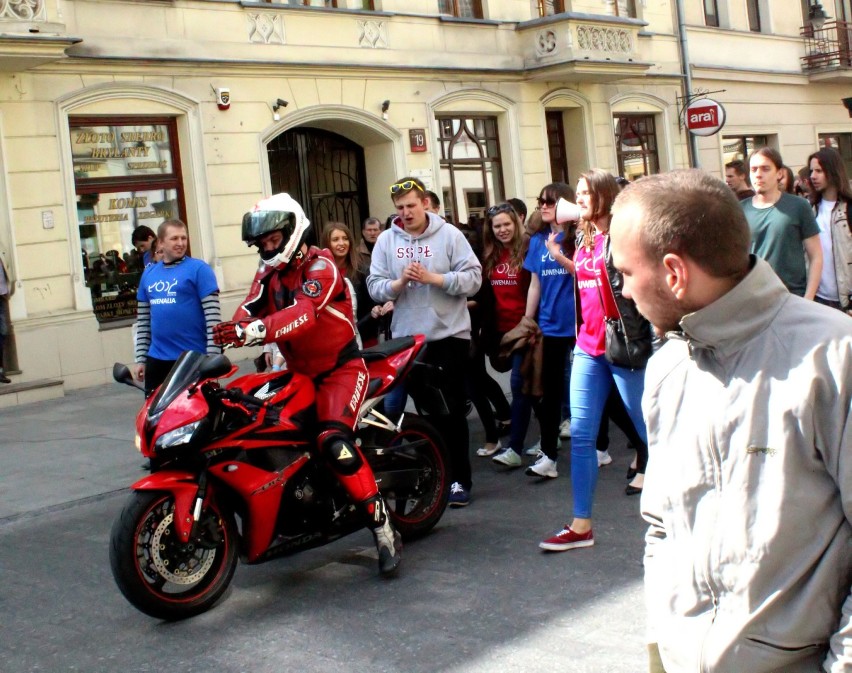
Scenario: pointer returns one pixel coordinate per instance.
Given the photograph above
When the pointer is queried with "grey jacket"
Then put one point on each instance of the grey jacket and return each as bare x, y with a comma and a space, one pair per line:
748, 491
841, 251
436, 312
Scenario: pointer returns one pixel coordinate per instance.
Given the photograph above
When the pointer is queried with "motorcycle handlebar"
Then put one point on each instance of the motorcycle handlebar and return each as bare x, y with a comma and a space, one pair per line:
235, 395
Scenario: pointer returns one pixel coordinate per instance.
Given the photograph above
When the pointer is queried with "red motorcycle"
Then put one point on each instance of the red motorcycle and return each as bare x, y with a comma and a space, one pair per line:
234, 474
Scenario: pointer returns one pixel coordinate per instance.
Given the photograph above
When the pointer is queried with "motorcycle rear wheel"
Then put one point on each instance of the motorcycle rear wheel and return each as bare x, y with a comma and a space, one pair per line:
158, 574
415, 504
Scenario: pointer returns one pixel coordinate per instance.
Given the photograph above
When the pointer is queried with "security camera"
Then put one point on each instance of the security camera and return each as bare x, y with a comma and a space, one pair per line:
847, 103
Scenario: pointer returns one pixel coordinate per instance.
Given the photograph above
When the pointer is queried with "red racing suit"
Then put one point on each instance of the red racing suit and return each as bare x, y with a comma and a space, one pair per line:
307, 312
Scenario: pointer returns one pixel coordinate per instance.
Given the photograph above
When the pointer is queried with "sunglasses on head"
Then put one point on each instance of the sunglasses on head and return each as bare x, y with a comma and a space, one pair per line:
545, 202
500, 208
404, 186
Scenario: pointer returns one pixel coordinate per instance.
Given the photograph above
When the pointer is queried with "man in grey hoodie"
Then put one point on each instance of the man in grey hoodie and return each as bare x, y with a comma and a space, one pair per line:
428, 269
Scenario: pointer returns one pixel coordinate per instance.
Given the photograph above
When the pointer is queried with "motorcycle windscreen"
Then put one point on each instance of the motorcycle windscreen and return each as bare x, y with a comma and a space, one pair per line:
183, 374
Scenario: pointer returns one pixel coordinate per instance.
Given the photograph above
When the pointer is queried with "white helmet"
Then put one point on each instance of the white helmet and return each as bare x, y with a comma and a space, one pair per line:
279, 212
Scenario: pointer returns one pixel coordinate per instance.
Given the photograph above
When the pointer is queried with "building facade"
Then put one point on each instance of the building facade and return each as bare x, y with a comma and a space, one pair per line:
781, 75
118, 113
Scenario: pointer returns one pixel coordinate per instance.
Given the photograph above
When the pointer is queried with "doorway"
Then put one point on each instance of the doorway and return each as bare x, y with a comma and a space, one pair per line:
325, 172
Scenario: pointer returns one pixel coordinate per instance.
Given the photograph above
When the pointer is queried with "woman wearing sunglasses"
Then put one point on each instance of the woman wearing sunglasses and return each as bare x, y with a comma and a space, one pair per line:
600, 305
551, 299
504, 248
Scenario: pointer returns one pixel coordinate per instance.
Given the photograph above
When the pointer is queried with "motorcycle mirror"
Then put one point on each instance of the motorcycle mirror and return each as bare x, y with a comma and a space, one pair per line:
216, 366
121, 374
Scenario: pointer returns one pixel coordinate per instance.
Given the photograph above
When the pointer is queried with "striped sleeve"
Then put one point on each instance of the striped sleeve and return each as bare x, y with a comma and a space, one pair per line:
143, 331
212, 316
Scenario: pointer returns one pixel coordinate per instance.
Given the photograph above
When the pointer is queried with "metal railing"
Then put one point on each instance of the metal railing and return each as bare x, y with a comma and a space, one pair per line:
827, 48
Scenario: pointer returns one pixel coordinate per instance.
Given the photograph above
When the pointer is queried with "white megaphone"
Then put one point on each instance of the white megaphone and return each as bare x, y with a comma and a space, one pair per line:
566, 211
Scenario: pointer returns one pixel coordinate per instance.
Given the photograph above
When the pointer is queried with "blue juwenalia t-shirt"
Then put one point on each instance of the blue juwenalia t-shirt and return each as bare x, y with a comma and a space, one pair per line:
177, 318
556, 306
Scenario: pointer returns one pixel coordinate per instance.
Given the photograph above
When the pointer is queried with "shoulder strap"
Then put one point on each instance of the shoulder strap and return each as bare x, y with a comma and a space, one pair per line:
608, 302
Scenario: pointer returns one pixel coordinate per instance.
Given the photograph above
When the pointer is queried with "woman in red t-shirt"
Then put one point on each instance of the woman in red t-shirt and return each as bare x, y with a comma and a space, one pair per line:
503, 269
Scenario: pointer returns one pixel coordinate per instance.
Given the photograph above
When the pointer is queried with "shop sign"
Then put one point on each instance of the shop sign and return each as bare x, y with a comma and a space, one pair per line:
117, 307
704, 117
150, 207
121, 151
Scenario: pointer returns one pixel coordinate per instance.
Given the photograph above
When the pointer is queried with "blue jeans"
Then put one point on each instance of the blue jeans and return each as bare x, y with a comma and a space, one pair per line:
521, 405
591, 381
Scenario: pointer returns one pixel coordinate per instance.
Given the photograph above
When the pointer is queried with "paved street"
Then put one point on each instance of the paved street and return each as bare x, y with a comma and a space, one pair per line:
476, 595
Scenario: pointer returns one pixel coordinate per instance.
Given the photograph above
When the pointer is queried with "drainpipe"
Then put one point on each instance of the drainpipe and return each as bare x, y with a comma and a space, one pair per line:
692, 144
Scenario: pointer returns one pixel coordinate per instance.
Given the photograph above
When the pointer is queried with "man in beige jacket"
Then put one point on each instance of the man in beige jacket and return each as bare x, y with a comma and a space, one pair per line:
748, 491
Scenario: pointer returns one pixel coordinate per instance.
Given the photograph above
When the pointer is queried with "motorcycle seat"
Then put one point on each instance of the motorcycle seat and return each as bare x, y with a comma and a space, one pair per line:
386, 349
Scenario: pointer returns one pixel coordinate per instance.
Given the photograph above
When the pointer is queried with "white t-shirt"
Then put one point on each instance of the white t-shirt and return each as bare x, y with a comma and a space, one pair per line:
828, 280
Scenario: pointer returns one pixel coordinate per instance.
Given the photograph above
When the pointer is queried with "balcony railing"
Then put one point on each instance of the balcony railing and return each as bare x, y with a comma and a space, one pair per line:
827, 48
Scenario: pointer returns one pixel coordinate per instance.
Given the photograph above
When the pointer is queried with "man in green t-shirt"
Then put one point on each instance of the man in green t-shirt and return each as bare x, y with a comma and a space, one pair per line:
782, 225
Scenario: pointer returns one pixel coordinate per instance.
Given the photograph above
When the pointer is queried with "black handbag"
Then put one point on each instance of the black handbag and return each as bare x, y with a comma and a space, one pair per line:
624, 352
619, 350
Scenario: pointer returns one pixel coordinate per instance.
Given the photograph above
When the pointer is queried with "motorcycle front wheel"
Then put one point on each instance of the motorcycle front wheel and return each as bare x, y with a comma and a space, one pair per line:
162, 576
411, 468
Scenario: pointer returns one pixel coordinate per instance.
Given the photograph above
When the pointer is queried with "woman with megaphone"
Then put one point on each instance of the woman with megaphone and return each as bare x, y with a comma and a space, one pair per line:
613, 345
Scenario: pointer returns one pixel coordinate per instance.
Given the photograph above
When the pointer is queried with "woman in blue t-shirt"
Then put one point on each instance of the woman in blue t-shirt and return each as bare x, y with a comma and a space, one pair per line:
550, 300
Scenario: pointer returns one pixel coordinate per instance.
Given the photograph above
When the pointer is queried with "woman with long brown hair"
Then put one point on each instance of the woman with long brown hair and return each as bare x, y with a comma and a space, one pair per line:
598, 364
337, 238
504, 249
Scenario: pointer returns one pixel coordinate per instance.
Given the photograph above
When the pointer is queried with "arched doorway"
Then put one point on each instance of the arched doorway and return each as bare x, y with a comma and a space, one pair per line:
323, 171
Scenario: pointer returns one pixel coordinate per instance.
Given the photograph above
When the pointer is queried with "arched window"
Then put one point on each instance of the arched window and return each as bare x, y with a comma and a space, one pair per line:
636, 145
471, 169
126, 175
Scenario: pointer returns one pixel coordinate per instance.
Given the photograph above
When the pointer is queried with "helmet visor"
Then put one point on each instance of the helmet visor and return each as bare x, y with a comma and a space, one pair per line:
260, 222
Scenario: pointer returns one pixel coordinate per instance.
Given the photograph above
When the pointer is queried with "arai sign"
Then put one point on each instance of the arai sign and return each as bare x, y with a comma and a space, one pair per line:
704, 117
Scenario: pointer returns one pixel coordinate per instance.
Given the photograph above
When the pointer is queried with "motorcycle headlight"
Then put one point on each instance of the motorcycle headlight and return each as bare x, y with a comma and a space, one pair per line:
176, 437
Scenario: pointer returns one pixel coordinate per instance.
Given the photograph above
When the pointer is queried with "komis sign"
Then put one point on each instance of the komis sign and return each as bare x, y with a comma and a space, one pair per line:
705, 117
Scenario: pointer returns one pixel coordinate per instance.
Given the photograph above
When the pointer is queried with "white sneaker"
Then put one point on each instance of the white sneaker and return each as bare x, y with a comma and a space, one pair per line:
534, 450
508, 457
543, 467
565, 429
604, 458
483, 452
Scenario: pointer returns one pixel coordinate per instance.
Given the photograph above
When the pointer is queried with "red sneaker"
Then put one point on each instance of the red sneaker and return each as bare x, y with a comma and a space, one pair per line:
567, 539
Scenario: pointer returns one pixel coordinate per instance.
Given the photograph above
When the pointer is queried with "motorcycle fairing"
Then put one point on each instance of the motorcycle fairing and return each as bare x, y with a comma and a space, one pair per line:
261, 491
183, 486
390, 361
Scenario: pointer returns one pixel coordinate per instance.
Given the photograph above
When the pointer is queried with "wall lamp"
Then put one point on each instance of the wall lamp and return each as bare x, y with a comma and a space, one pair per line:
385, 108
280, 103
817, 16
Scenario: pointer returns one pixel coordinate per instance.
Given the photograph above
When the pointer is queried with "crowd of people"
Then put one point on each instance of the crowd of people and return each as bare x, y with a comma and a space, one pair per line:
711, 323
